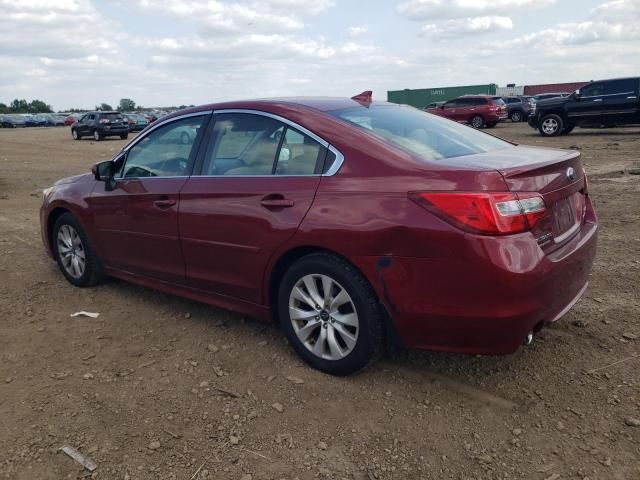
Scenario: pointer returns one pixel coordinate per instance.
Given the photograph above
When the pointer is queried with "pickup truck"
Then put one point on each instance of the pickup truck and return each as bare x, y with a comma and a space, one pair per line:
603, 103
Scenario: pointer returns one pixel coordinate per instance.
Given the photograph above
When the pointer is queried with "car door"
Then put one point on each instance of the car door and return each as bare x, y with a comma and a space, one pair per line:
137, 221
449, 109
256, 182
466, 109
588, 106
81, 124
620, 101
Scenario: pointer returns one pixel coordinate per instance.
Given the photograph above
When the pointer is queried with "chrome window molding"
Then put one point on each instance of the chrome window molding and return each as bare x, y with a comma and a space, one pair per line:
607, 95
332, 170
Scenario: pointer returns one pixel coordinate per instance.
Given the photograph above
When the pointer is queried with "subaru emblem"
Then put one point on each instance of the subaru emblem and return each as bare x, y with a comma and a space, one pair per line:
571, 174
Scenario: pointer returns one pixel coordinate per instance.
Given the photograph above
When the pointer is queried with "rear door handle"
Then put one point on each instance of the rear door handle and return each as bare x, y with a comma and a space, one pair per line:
598, 100
631, 98
164, 203
276, 201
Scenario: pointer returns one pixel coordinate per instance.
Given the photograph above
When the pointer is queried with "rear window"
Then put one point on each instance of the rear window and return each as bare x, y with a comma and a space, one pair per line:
419, 133
111, 115
498, 101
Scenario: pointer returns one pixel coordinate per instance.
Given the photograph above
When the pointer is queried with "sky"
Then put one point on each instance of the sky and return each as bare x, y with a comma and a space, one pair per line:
80, 53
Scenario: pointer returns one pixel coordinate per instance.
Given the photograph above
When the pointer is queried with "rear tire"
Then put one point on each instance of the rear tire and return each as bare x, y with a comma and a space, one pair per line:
477, 121
551, 125
337, 331
75, 256
516, 116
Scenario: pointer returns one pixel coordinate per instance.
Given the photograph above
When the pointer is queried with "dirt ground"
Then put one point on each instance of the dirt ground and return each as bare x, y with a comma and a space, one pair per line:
159, 387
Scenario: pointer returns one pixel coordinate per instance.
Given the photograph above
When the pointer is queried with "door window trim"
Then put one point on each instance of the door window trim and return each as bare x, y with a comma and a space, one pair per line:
332, 170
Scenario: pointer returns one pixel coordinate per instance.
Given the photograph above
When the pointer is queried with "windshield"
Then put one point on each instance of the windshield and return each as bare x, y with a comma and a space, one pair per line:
421, 134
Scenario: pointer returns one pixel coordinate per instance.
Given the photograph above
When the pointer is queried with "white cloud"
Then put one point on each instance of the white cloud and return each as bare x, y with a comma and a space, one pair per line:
433, 9
356, 31
467, 26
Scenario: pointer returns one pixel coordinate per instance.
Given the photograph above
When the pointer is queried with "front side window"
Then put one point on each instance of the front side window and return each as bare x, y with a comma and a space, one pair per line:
165, 151
421, 134
592, 90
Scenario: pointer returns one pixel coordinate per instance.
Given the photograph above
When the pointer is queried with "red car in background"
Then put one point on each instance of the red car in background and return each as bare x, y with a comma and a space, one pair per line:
348, 222
73, 118
476, 110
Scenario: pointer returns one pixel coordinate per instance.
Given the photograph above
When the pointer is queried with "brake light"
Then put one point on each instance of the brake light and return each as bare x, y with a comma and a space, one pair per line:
485, 213
104, 120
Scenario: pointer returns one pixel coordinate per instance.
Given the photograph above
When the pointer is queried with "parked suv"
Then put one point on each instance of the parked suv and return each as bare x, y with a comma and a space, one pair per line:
477, 110
519, 107
100, 125
604, 103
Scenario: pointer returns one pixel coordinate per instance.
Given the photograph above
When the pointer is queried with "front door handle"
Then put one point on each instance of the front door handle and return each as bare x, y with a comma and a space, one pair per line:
164, 203
276, 201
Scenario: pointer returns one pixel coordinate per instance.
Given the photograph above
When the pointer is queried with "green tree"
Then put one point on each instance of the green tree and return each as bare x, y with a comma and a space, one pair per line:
126, 105
19, 106
4, 108
38, 106
104, 107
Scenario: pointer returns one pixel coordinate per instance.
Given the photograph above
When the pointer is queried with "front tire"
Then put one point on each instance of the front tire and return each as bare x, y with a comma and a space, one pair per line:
551, 125
330, 314
96, 136
75, 256
124, 136
75, 134
477, 121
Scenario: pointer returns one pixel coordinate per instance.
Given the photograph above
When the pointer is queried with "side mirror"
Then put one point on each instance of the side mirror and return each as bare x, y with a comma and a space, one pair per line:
105, 172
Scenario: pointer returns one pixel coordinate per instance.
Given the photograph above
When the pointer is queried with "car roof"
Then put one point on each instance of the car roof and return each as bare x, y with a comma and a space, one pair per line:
323, 104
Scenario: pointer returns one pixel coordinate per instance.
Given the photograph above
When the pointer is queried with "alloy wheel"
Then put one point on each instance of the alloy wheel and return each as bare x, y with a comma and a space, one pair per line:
516, 117
323, 316
71, 251
476, 122
550, 126
96, 135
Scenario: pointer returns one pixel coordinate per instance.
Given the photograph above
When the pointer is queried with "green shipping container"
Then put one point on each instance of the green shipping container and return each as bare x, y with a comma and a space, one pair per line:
421, 97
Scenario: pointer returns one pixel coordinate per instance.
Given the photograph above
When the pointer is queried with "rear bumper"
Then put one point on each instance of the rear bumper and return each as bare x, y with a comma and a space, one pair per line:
113, 131
486, 299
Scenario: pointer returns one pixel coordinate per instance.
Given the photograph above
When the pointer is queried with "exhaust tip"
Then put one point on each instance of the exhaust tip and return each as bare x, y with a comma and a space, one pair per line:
528, 340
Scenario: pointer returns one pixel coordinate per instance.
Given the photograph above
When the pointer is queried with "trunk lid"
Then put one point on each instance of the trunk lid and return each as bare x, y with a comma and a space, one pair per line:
557, 175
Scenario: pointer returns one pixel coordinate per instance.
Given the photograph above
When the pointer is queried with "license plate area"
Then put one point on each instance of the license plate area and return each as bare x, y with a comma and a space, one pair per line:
567, 215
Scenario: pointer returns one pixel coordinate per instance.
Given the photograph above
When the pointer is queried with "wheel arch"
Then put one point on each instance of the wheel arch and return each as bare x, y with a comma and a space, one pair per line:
51, 221
392, 341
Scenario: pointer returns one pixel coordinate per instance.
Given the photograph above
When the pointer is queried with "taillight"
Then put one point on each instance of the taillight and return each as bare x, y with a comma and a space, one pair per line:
485, 213
104, 120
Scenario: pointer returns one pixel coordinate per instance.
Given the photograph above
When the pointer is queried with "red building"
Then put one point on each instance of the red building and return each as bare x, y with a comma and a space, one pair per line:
553, 88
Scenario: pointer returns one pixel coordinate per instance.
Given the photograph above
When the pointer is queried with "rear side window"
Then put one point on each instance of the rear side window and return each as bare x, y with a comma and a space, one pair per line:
299, 154
256, 145
619, 87
498, 101
421, 134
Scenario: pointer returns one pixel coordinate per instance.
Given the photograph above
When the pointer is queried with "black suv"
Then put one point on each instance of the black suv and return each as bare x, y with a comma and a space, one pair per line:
100, 125
518, 107
605, 103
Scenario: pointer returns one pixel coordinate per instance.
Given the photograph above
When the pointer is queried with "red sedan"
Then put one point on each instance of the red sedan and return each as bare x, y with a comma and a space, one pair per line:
351, 223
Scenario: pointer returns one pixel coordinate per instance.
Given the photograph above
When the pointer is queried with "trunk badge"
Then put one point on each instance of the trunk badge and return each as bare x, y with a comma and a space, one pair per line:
571, 174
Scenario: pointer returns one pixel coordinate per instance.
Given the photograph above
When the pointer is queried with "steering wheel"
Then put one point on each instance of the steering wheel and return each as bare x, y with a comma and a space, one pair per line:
138, 171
